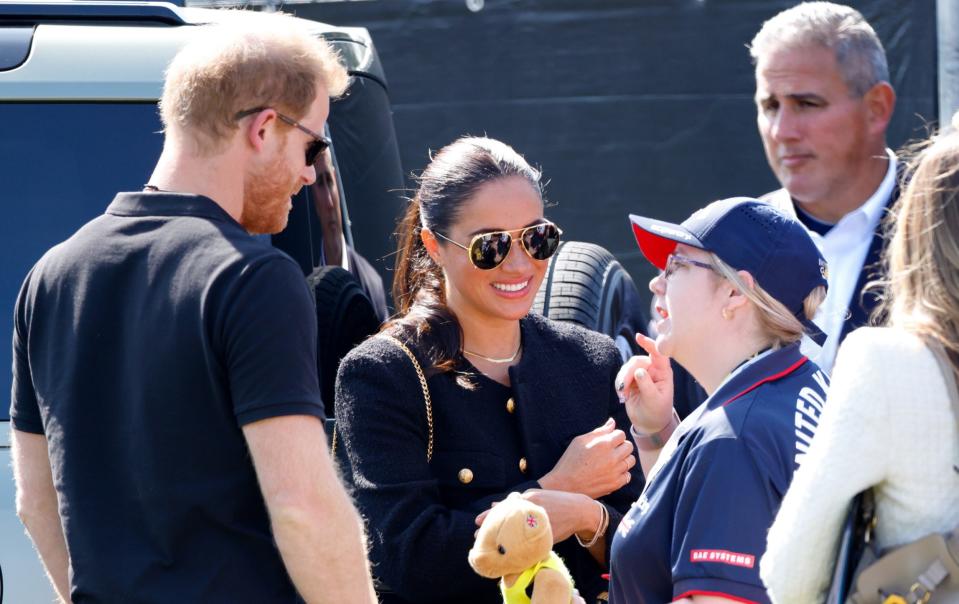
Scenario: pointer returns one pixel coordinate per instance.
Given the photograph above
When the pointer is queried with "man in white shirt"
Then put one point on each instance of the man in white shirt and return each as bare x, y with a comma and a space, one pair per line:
824, 101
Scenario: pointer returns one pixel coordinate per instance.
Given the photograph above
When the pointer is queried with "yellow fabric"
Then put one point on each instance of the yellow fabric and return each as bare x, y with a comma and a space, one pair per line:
517, 593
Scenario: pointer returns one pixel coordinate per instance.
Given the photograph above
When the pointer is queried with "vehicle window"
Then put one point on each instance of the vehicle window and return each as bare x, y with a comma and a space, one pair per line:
62, 163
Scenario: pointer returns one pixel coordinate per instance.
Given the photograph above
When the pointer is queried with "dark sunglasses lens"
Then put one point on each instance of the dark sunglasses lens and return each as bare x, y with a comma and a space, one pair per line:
313, 151
541, 241
488, 251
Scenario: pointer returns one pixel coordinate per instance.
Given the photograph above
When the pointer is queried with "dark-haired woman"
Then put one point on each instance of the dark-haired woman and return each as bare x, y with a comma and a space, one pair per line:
519, 403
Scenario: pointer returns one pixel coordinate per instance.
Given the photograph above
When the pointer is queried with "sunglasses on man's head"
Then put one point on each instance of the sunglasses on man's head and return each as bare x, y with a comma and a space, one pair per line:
489, 250
318, 145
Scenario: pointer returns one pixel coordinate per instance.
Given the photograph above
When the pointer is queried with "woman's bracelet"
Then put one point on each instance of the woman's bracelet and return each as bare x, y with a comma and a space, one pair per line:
600, 531
655, 441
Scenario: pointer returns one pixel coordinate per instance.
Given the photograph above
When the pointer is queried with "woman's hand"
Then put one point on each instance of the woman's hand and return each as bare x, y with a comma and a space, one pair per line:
645, 385
568, 513
594, 464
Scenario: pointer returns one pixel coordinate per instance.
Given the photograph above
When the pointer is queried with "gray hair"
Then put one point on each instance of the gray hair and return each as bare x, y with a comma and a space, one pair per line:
859, 53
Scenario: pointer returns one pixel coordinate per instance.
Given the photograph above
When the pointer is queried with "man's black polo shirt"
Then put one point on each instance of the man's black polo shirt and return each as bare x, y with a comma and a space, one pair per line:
142, 344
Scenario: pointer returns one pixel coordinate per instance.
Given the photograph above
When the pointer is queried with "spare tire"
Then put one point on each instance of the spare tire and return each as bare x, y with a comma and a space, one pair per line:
586, 285
344, 318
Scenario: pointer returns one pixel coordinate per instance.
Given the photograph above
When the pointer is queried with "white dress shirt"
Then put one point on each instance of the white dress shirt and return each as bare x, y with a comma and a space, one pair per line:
844, 247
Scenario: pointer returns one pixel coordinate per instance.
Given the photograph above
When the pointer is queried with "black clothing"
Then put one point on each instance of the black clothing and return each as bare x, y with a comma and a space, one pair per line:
863, 302
688, 394
421, 515
370, 280
141, 345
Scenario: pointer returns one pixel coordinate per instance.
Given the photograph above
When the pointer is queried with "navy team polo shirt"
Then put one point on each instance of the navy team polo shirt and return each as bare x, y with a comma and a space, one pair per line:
142, 344
700, 526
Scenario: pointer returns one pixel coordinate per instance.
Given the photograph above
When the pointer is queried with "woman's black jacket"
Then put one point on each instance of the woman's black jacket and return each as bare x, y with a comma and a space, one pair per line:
420, 516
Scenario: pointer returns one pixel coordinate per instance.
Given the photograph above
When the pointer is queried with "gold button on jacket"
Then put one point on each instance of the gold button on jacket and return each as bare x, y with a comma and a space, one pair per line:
522, 465
562, 367
510, 405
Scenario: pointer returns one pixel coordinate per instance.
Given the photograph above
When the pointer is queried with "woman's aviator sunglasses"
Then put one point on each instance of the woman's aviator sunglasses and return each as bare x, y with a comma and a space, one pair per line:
489, 250
318, 145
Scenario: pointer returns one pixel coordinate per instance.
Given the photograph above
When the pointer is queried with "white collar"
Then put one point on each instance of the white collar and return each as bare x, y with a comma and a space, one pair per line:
874, 206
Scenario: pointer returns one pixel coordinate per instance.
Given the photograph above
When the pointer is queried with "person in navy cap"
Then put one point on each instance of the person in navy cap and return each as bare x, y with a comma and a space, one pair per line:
740, 281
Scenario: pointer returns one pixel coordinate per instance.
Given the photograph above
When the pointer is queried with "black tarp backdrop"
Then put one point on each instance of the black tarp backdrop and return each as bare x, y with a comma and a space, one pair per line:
642, 106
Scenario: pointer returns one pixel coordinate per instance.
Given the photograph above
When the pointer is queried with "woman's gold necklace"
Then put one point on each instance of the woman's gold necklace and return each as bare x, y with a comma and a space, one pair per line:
492, 360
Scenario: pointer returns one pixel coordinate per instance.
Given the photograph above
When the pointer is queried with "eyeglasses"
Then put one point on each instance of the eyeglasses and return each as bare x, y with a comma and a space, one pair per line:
319, 144
674, 262
489, 250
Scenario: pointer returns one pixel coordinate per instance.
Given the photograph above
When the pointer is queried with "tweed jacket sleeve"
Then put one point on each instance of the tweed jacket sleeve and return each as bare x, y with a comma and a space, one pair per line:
618, 502
421, 517
418, 543
572, 372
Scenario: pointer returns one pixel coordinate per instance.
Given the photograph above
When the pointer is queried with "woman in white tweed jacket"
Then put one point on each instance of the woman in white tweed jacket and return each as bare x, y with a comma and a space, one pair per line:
888, 422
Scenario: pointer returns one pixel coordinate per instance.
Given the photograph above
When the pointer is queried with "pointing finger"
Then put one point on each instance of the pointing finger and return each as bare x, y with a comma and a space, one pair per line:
649, 345
606, 427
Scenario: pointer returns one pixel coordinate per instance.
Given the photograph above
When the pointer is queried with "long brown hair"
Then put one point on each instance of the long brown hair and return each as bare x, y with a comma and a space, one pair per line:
923, 255
451, 179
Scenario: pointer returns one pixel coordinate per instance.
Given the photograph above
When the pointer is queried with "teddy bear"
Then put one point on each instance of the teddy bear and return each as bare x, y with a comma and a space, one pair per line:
515, 543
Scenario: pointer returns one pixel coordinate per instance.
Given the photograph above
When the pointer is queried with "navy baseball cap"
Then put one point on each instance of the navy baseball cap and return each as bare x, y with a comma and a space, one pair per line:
748, 235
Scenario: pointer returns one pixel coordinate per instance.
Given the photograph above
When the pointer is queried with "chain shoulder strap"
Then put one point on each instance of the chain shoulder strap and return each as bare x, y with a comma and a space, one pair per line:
426, 397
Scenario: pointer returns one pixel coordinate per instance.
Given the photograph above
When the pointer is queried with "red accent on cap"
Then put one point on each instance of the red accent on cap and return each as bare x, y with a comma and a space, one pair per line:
656, 249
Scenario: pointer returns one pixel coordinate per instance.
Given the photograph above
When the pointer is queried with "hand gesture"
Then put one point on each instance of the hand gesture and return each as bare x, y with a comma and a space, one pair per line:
594, 464
568, 513
645, 385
